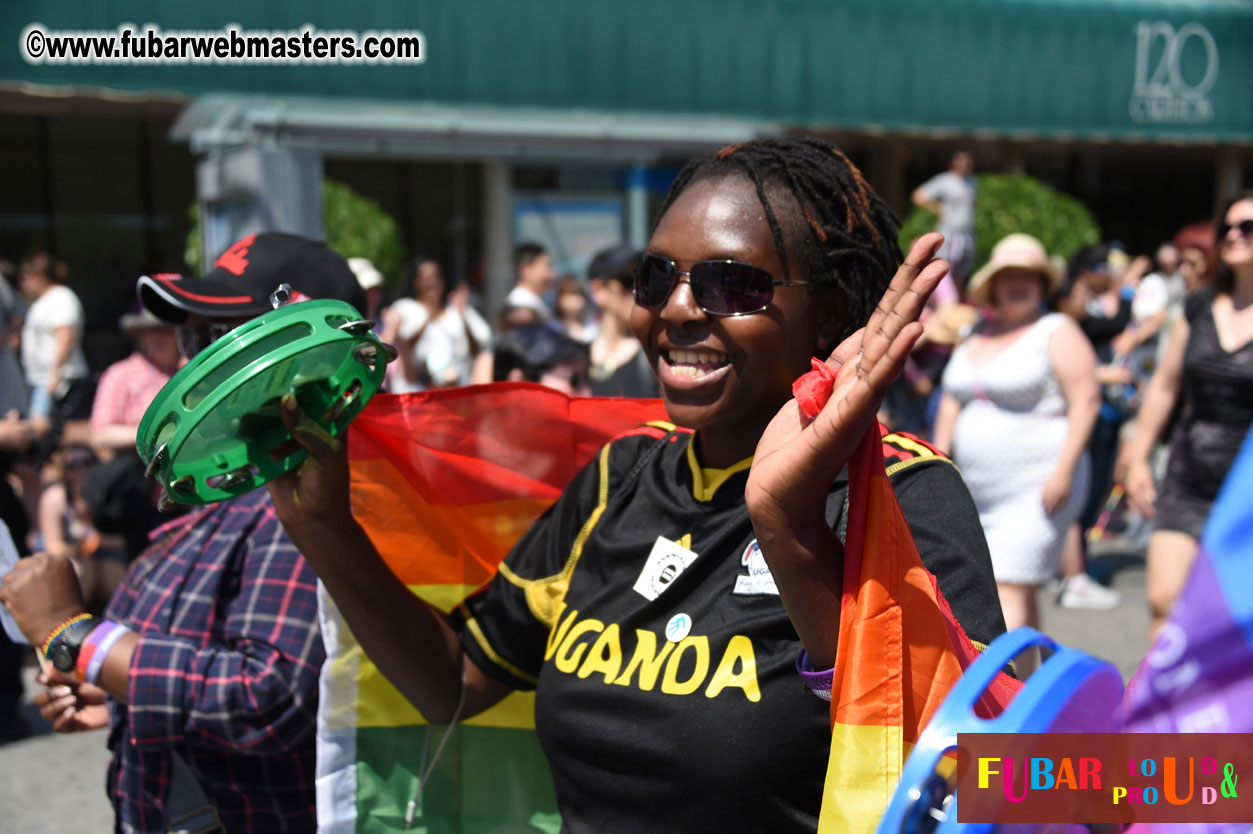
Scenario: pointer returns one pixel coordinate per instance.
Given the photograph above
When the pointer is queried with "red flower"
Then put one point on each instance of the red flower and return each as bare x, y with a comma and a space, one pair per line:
813, 389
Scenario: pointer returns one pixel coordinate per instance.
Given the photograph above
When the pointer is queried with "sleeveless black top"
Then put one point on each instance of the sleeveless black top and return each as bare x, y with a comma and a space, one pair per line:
1217, 409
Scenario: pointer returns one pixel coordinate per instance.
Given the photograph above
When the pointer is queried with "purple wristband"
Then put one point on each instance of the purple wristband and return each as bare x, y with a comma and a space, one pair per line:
818, 683
104, 644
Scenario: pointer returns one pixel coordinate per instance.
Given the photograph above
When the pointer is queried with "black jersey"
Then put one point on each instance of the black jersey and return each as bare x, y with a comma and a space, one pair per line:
641, 611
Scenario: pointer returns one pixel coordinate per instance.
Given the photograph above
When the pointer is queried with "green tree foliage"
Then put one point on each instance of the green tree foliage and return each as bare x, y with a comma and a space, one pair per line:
191, 249
356, 227
1018, 203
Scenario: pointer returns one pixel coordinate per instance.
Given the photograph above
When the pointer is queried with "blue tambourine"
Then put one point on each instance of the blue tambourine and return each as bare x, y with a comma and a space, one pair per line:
1071, 692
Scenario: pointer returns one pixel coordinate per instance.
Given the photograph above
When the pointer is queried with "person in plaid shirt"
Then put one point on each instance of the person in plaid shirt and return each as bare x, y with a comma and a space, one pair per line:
210, 647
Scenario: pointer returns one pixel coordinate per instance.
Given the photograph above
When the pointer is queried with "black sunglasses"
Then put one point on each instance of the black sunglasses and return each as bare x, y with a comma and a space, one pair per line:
721, 288
1245, 227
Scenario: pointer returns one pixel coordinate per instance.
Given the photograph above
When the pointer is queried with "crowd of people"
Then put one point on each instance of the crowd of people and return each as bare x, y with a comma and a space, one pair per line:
579, 326
1045, 384
1067, 391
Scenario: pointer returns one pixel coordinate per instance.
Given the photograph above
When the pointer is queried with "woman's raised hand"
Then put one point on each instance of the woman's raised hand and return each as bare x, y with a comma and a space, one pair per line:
797, 459
315, 494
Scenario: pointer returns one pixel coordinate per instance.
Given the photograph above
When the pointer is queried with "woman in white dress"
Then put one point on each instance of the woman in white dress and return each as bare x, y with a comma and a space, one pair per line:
1020, 398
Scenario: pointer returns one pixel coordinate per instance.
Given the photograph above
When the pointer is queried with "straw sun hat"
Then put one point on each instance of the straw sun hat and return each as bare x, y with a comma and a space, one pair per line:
1016, 251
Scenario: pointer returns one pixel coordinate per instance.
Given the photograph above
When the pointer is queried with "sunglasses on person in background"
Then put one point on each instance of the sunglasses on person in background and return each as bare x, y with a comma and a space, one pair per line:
1244, 226
720, 288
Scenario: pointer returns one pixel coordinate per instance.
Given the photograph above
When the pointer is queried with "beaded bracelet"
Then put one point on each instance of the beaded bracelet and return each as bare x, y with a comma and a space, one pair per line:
95, 649
66, 623
818, 683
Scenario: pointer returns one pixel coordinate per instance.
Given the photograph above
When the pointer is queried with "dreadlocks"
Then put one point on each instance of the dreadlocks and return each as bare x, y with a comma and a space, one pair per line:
848, 237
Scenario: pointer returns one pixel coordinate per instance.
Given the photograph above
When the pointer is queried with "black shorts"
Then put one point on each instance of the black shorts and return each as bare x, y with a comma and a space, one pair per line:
1182, 512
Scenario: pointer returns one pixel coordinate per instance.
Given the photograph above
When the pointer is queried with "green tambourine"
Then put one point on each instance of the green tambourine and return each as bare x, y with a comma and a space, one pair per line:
210, 433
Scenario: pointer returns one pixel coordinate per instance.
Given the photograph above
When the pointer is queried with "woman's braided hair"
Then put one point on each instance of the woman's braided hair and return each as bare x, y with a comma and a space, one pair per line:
849, 238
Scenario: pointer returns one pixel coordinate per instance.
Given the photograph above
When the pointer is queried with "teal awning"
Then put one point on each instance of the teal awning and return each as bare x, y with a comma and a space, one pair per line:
1155, 70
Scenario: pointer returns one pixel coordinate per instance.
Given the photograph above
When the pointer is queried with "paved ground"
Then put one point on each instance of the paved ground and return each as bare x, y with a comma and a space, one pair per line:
1121, 635
52, 784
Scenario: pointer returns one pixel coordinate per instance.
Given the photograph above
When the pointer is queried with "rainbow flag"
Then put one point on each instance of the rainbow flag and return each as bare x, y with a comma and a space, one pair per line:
445, 482
900, 651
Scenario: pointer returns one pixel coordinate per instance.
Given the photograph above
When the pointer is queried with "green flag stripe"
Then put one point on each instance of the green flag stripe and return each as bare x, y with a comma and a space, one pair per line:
487, 780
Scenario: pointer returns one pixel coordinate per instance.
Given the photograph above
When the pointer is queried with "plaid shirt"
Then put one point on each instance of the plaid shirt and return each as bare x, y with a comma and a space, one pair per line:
225, 671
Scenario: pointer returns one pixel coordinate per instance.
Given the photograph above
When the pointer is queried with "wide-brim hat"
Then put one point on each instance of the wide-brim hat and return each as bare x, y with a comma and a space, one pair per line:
1016, 251
950, 324
143, 320
244, 277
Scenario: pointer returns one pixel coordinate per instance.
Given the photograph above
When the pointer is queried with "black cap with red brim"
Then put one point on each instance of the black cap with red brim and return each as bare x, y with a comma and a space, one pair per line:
247, 274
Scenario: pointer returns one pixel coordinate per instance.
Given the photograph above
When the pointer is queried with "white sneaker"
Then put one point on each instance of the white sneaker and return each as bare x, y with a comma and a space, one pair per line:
1082, 591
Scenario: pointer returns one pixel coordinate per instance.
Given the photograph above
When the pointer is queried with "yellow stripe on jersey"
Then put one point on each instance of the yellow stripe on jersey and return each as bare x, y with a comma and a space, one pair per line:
481, 639
545, 597
983, 647
705, 481
921, 451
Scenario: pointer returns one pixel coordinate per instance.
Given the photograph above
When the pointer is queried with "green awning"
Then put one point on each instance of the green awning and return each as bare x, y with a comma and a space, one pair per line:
1153, 70
352, 127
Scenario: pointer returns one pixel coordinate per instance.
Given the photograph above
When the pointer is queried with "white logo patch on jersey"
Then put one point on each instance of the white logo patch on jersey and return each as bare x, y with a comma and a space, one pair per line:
680, 626
758, 580
666, 561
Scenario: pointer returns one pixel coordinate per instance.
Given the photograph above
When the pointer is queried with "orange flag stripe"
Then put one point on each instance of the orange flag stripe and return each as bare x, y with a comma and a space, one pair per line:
488, 443
446, 481
427, 543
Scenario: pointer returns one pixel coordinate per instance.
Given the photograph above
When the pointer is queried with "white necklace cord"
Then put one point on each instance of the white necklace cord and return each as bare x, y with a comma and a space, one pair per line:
425, 770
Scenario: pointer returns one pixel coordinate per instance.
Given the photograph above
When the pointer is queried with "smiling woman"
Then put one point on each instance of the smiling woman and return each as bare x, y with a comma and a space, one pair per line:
801, 270
659, 608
